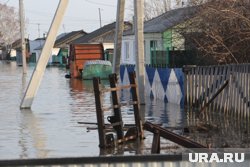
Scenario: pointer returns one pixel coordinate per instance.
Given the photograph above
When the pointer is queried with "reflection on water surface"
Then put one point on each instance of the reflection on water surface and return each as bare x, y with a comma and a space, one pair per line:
51, 128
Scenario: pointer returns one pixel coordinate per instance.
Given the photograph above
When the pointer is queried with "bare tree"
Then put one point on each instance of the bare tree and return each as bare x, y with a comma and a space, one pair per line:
155, 8
9, 26
221, 30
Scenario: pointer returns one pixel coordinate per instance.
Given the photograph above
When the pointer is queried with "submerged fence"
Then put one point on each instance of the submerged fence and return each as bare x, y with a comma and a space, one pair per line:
160, 83
220, 88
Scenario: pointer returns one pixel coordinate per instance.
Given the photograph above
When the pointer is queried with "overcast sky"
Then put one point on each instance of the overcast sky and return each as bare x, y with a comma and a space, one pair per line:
80, 14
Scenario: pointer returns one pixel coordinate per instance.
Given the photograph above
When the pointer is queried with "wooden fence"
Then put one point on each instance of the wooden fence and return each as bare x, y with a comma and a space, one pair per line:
222, 89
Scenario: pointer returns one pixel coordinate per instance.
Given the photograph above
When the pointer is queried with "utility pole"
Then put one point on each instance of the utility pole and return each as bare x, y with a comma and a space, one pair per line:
38, 29
45, 55
23, 42
118, 36
139, 48
100, 17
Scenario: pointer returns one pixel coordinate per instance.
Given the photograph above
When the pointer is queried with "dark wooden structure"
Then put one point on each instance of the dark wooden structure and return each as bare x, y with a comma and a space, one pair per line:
107, 139
158, 132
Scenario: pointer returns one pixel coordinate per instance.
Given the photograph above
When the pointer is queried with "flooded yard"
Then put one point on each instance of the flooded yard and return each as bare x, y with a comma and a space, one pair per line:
52, 129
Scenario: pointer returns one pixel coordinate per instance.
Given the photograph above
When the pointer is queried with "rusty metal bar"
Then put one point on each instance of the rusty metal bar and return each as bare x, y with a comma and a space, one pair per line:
172, 136
99, 112
138, 120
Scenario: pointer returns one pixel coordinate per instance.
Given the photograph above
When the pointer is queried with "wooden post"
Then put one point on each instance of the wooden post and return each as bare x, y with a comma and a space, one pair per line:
117, 118
23, 41
156, 147
99, 112
139, 48
138, 120
173, 136
45, 55
118, 36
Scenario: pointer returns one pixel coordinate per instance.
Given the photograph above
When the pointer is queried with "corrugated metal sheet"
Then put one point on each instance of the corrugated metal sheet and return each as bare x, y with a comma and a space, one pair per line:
118, 161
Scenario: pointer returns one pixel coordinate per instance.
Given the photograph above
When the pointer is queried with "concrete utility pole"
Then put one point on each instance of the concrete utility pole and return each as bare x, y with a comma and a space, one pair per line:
100, 17
23, 43
118, 36
45, 55
139, 47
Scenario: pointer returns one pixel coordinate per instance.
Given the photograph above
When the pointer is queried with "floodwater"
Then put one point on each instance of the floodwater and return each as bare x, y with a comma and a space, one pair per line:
51, 128
54, 125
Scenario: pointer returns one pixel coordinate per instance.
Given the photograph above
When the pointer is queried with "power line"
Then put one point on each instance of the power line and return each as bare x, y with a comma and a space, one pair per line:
103, 4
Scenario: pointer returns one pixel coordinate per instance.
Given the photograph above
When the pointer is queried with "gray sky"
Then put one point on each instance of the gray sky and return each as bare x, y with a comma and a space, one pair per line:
80, 14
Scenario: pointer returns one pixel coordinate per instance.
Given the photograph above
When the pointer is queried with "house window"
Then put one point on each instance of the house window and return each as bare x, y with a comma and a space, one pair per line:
126, 50
153, 44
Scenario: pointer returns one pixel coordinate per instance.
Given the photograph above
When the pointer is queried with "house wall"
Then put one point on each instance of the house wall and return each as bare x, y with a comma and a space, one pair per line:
128, 47
35, 44
170, 39
108, 46
128, 50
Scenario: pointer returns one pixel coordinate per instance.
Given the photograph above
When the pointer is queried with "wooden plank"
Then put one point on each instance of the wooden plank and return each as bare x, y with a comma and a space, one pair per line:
201, 86
245, 91
185, 87
192, 87
229, 102
155, 149
222, 79
224, 98
241, 93
209, 84
248, 94
172, 136
215, 86
232, 90
99, 112
119, 88
207, 69
189, 87
236, 95
196, 78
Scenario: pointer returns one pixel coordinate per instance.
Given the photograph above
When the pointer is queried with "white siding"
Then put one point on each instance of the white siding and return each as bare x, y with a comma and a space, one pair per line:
131, 40
128, 50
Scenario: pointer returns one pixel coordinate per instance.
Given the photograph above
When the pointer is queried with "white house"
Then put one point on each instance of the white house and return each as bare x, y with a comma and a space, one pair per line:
159, 35
34, 49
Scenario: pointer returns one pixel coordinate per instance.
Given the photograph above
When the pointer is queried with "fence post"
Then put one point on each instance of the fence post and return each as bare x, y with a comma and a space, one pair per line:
99, 112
